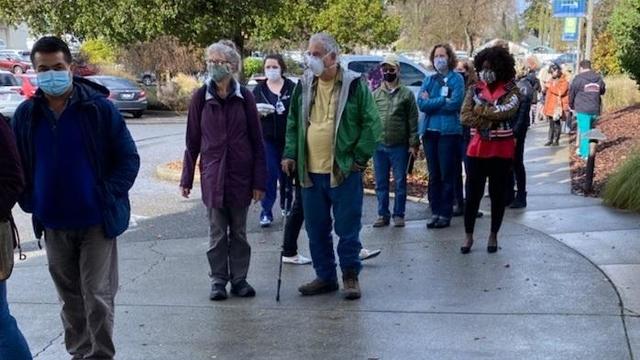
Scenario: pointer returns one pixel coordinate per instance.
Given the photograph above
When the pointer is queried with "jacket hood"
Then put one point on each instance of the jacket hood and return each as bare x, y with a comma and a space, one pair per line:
85, 90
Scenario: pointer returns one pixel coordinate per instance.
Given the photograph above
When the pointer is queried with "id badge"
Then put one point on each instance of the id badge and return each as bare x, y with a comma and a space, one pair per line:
444, 91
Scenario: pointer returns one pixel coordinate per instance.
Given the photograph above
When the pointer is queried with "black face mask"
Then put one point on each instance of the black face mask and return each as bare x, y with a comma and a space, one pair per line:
390, 77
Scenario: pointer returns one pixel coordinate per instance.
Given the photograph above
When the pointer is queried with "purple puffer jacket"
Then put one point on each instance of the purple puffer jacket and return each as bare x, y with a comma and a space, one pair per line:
227, 136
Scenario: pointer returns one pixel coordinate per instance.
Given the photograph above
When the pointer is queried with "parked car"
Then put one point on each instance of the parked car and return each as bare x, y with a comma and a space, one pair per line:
567, 58
411, 74
28, 84
147, 78
125, 94
13, 61
9, 102
545, 54
9, 82
84, 70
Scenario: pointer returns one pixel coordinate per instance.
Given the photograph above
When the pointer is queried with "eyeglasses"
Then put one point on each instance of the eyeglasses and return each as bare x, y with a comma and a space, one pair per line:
217, 62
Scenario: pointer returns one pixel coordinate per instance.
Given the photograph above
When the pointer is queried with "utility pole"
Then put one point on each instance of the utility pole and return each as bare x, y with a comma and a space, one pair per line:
589, 41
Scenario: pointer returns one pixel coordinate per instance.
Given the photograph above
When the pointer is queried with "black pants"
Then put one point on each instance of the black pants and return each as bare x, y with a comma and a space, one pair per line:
555, 128
498, 171
518, 166
293, 225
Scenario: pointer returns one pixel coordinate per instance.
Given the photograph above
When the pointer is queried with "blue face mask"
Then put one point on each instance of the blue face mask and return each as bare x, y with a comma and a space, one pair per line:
441, 64
54, 82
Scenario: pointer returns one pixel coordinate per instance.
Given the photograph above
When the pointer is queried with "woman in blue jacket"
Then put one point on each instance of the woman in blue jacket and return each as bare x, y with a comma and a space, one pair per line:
440, 99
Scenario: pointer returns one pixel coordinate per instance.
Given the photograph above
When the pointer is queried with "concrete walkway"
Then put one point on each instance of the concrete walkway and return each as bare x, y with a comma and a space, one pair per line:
547, 294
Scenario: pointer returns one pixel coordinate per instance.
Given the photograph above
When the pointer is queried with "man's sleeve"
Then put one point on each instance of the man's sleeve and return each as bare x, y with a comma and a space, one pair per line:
371, 126
125, 155
293, 119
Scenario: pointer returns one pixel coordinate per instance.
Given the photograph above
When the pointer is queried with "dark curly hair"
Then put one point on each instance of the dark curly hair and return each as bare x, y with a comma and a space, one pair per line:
501, 62
450, 54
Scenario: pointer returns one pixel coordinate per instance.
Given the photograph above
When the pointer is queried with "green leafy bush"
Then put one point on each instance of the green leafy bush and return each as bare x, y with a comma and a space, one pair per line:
251, 65
625, 28
623, 188
99, 51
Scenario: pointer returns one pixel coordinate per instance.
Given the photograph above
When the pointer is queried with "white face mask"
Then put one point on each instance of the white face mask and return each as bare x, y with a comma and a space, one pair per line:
315, 64
488, 76
273, 74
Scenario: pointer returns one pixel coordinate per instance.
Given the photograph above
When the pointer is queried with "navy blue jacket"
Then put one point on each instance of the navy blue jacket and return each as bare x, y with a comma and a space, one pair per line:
110, 147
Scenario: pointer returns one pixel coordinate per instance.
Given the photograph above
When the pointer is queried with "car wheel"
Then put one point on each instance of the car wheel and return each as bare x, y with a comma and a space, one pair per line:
147, 80
18, 70
137, 114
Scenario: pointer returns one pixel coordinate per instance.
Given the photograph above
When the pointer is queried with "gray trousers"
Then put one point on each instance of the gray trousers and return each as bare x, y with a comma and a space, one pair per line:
229, 251
84, 268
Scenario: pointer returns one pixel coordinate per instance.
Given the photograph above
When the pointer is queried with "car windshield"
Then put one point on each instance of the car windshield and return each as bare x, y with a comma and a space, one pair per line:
8, 80
117, 83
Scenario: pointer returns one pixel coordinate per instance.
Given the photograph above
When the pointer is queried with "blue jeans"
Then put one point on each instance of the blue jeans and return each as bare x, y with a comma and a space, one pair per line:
443, 158
274, 175
12, 344
346, 203
385, 159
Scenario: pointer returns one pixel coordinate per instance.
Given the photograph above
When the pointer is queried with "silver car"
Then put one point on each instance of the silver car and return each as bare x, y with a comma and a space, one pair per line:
9, 102
125, 94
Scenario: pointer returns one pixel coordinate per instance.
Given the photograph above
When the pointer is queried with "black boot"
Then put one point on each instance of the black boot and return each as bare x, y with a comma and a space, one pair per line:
520, 202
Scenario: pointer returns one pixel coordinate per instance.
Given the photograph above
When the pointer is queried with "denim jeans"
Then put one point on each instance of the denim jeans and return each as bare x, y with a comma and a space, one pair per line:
346, 202
443, 158
385, 159
12, 344
274, 175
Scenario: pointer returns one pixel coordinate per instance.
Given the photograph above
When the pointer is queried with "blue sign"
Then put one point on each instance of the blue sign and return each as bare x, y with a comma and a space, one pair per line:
570, 8
570, 29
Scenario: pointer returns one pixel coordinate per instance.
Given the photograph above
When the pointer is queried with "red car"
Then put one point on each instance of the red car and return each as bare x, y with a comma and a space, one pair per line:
28, 84
11, 60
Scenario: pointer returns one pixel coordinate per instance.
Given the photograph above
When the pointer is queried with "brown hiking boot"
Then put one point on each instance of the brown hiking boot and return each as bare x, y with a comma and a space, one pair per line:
317, 287
381, 222
398, 221
351, 285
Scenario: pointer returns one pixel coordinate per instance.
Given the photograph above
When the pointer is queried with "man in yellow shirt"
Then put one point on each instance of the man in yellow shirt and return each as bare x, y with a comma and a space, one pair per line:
332, 131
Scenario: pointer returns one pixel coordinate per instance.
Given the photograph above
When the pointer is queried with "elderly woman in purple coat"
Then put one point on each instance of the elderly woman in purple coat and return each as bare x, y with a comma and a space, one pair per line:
223, 128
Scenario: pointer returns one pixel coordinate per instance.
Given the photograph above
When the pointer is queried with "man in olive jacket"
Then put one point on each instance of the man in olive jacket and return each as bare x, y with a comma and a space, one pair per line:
399, 115
332, 131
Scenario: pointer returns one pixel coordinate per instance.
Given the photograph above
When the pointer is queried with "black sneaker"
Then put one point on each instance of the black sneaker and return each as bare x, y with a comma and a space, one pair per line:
218, 292
441, 224
243, 289
317, 287
433, 221
351, 285
382, 221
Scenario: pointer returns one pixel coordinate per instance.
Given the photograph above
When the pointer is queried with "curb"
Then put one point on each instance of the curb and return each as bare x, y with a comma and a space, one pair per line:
163, 172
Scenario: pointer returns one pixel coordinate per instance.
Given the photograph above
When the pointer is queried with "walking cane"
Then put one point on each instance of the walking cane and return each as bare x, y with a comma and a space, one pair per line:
284, 227
410, 164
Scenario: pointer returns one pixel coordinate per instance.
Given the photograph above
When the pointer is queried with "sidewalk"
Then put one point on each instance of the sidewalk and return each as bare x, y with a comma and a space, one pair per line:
545, 295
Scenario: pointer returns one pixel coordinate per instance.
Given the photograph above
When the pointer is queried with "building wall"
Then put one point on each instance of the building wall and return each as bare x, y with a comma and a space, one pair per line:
15, 38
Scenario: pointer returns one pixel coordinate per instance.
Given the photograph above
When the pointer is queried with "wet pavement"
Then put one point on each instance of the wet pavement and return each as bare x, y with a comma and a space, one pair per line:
547, 294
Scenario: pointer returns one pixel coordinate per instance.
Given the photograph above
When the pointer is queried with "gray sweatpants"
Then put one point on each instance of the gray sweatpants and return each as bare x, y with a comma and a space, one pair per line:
84, 268
229, 251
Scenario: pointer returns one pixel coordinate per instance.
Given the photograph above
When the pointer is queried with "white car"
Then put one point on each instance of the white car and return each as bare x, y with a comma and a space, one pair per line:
545, 54
9, 102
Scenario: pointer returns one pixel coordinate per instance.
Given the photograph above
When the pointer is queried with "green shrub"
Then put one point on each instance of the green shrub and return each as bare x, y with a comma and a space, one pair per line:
623, 188
293, 67
99, 51
605, 55
251, 65
621, 92
625, 28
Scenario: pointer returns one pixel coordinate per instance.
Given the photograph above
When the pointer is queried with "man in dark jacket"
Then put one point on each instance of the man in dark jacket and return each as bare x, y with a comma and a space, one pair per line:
12, 343
79, 163
585, 98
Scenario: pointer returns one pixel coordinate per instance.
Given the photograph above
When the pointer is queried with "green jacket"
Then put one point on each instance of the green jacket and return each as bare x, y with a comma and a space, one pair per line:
399, 115
357, 125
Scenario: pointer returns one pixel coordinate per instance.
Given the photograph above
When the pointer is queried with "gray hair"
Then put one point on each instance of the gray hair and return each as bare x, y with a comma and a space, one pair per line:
227, 49
328, 42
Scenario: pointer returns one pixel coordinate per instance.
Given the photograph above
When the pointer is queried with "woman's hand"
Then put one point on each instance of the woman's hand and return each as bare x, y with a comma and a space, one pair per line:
185, 192
258, 195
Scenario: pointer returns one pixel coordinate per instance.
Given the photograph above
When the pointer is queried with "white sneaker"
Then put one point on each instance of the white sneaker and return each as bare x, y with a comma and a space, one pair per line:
366, 254
265, 221
296, 260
